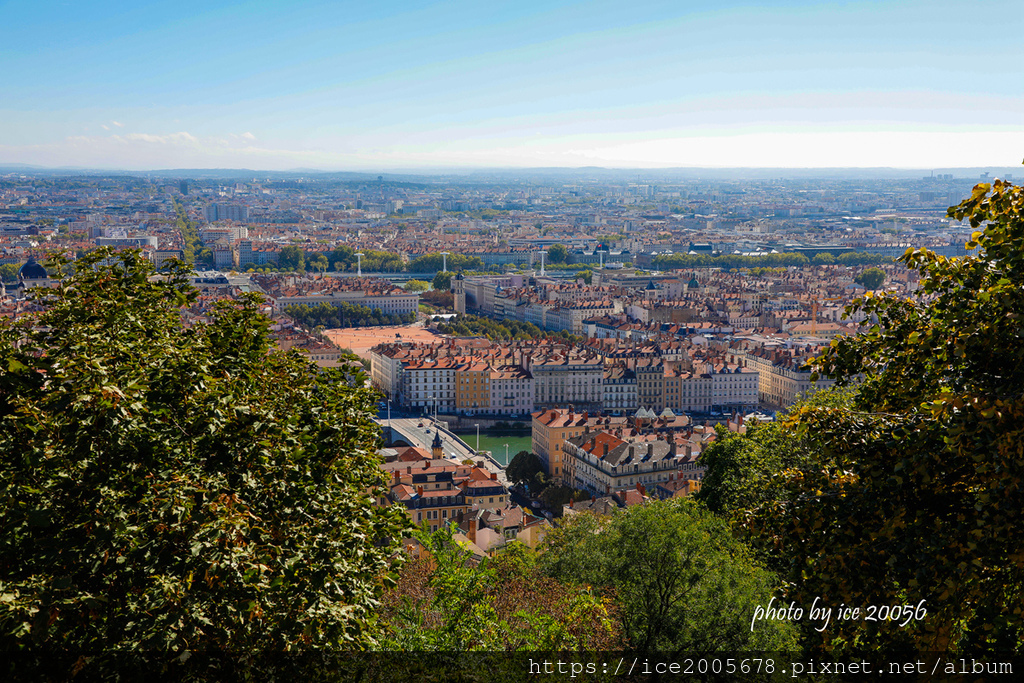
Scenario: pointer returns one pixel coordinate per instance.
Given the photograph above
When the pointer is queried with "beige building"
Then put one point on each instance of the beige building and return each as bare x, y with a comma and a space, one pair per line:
550, 430
473, 389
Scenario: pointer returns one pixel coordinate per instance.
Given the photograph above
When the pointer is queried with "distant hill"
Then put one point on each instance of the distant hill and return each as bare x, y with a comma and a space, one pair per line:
541, 174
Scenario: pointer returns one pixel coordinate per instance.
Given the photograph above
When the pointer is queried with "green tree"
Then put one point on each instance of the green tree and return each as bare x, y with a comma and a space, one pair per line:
742, 471
917, 495
523, 467
442, 281
177, 488
319, 263
340, 257
823, 259
205, 257
871, 278
189, 232
454, 604
291, 258
9, 272
555, 497
416, 286
586, 275
557, 253
682, 582
436, 263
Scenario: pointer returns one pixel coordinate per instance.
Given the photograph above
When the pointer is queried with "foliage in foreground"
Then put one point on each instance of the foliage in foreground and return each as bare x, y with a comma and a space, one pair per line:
682, 582
169, 488
446, 602
918, 493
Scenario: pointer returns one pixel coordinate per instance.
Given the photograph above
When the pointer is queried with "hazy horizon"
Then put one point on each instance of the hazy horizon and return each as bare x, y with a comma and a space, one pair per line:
666, 174
348, 86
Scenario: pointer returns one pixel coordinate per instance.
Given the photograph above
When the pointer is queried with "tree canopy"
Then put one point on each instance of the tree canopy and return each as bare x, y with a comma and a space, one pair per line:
919, 490
557, 253
436, 262
871, 278
416, 286
9, 271
442, 281
292, 258
169, 487
681, 581
523, 467
450, 603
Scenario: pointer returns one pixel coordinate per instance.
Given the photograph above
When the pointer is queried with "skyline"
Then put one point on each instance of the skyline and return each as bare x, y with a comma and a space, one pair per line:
452, 84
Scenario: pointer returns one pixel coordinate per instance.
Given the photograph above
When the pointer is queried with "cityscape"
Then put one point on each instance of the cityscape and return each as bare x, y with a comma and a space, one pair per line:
449, 341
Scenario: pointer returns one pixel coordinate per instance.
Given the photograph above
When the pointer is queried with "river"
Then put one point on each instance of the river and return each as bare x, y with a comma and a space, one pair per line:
495, 443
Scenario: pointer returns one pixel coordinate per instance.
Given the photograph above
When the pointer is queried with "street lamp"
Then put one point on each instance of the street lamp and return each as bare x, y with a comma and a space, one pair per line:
542, 255
477, 437
506, 455
444, 257
359, 264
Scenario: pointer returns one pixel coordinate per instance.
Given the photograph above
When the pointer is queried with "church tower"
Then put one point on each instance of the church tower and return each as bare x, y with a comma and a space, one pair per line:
436, 451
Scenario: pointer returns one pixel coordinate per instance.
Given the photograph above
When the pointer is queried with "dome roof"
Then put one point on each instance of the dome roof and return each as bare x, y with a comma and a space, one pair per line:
32, 271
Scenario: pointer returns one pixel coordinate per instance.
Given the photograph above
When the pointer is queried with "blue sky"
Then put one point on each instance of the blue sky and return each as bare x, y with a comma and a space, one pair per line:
359, 85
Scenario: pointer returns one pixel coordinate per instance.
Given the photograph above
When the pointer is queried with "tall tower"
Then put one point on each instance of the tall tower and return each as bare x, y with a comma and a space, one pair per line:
436, 451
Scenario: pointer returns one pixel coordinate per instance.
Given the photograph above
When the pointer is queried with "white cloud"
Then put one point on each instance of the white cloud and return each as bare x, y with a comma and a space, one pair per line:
171, 139
747, 148
118, 124
248, 136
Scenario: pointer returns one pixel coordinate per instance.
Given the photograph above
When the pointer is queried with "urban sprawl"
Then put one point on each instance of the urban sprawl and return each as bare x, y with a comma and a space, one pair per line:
620, 318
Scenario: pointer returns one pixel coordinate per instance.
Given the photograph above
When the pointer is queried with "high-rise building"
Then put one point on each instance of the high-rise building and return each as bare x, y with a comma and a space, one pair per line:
226, 212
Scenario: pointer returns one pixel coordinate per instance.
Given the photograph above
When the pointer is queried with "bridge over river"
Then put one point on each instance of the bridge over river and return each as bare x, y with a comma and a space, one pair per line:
409, 431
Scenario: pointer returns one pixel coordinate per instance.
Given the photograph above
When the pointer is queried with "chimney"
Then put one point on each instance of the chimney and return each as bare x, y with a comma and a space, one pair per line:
494, 476
472, 530
604, 449
650, 448
419, 491
408, 469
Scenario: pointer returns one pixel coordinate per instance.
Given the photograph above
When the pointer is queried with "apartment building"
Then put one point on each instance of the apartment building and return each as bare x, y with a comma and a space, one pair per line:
473, 388
550, 429
605, 464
